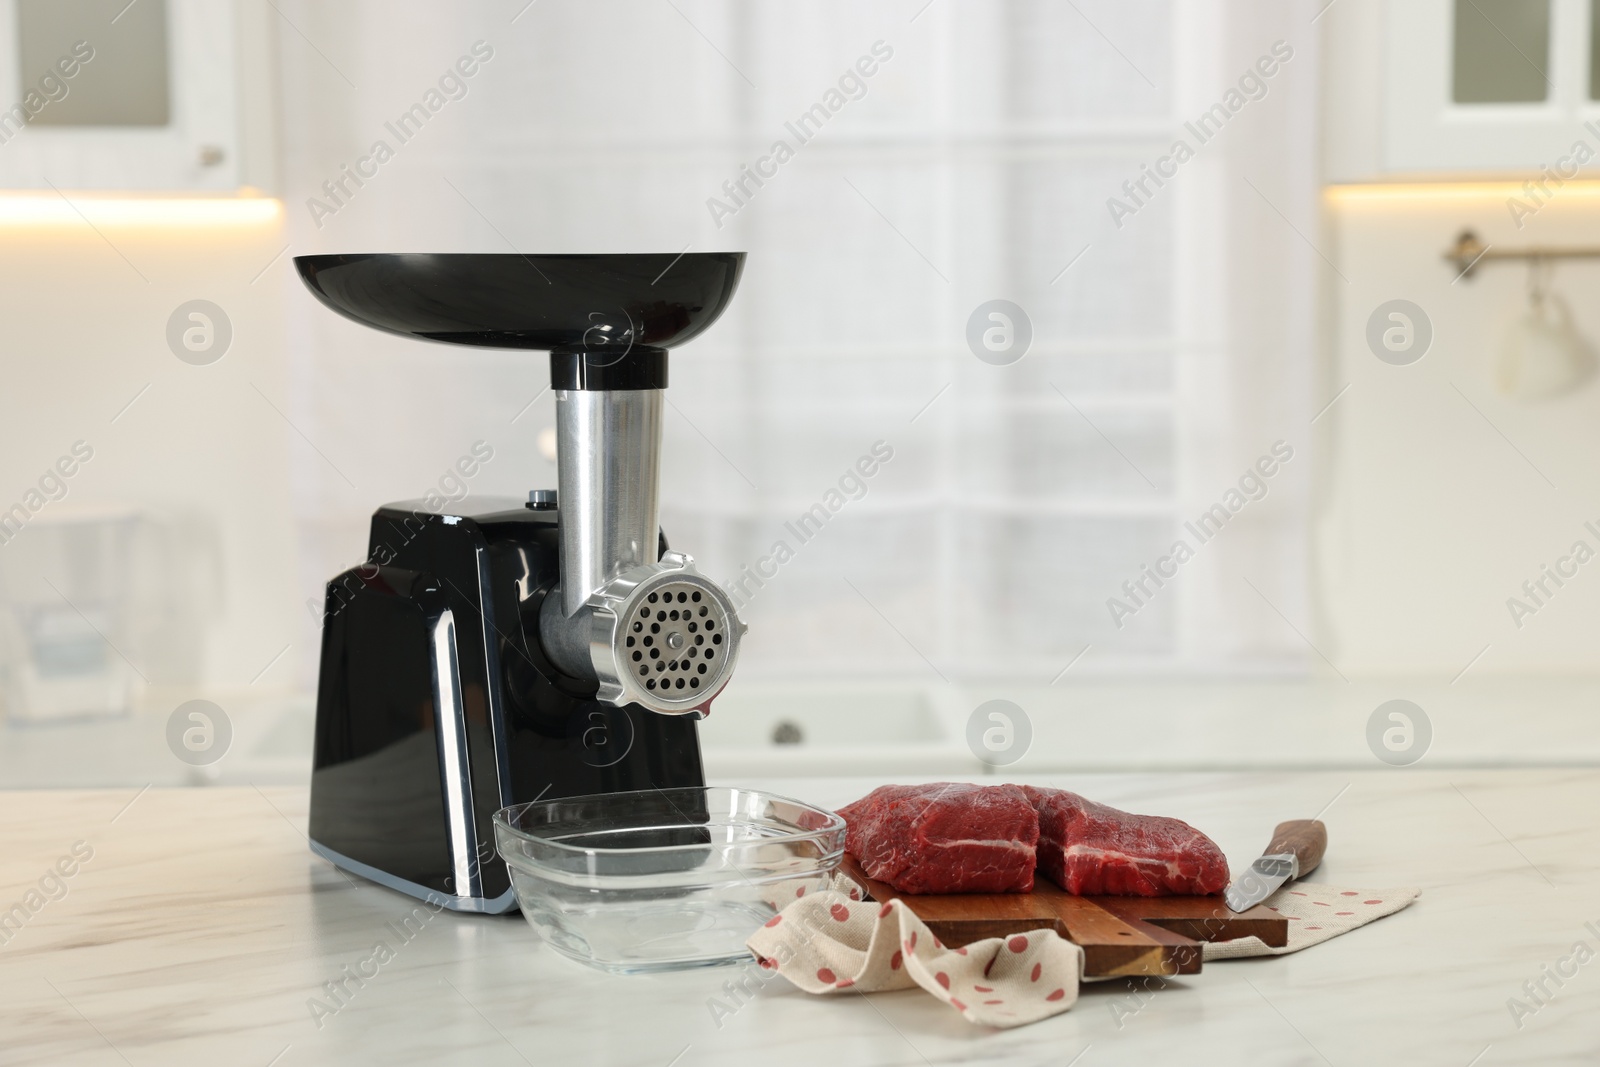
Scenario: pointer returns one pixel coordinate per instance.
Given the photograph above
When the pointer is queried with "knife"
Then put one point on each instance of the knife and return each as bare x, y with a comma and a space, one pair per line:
1294, 852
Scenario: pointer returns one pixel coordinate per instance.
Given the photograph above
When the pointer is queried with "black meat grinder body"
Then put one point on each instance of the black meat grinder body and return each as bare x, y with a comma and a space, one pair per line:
449, 688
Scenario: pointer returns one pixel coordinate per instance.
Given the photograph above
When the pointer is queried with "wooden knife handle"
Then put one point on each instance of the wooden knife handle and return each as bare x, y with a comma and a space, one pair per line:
1306, 838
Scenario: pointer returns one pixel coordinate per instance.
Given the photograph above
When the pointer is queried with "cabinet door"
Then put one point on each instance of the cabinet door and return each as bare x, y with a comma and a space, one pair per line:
1486, 85
112, 95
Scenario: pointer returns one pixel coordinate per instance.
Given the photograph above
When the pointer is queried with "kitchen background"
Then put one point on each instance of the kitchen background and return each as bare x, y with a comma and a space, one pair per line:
1179, 328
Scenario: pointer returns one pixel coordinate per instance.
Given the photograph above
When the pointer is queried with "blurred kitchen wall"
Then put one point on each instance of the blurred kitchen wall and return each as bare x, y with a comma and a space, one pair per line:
1444, 494
198, 453
1441, 494
146, 523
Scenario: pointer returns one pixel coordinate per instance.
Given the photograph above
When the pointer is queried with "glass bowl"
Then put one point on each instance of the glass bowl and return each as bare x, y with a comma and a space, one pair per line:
663, 879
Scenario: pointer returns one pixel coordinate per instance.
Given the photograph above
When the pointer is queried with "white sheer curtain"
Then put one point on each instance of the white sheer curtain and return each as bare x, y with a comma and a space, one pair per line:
1250, 266
974, 162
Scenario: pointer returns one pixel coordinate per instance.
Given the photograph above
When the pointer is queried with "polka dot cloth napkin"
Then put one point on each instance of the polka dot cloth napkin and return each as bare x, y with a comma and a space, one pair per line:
831, 942
834, 942
1316, 913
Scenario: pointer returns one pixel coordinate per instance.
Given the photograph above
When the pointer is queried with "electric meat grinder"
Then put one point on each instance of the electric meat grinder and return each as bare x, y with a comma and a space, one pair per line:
501, 651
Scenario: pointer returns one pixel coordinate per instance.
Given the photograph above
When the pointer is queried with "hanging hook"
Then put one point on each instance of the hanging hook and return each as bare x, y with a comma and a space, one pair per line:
1539, 271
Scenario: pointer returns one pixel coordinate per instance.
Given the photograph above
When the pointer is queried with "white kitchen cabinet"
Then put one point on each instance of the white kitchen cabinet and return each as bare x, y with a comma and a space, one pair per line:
153, 95
1486, 84
1456, 88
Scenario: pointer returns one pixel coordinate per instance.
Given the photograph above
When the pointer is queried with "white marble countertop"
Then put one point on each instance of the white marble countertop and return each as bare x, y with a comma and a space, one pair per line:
201, 926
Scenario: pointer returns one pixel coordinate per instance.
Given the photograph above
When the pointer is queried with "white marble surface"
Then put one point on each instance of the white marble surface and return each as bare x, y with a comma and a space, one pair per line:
202, 926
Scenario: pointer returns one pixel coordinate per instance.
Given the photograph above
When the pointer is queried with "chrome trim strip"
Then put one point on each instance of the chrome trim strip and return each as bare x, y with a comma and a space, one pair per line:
501, 904
497, 702
447, 704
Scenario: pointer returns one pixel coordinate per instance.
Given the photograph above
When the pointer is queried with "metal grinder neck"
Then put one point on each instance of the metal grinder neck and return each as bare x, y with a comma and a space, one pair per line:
608, 460
608, 448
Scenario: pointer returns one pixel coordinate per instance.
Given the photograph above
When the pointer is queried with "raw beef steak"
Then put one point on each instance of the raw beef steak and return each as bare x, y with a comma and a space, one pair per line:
945, 838
1088, 848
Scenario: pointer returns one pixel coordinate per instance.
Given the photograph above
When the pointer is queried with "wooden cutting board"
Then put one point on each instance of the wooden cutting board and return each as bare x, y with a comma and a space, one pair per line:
1120, 936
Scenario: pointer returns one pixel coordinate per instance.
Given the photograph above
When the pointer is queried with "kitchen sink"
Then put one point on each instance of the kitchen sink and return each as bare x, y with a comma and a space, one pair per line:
782, 728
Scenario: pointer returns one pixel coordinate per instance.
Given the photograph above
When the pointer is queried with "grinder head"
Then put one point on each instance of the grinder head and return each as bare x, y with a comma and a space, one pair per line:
611, 618
663, 636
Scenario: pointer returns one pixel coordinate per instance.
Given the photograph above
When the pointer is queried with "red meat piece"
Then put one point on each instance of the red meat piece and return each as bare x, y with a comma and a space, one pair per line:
945, 838
1088, 848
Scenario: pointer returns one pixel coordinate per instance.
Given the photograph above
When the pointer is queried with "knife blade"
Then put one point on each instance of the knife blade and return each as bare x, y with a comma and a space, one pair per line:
1294, 852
